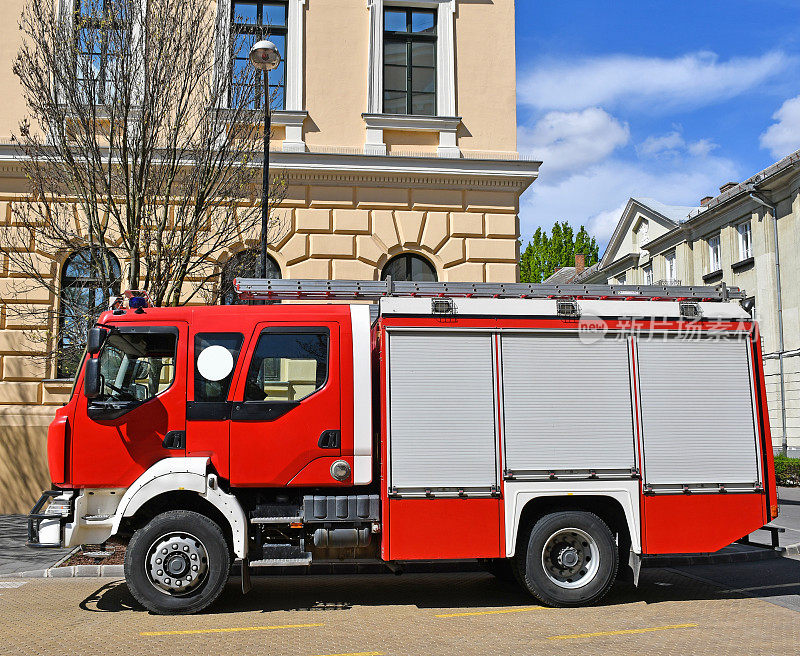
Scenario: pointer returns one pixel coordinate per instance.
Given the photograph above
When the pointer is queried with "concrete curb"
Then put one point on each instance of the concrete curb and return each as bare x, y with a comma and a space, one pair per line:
792, 550
72, 571
752, 554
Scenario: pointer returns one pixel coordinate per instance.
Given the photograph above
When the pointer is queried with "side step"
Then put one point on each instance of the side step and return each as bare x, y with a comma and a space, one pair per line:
282, 555
281, 562
275, 520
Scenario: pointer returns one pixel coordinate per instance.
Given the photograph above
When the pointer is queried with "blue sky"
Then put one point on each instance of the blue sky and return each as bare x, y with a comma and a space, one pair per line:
642, 98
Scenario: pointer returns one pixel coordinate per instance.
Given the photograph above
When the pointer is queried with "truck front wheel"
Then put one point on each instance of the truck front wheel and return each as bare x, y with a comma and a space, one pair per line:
570, 559
178, 563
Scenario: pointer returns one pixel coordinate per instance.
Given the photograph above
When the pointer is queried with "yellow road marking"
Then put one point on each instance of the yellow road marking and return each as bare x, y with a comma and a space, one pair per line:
360, 653
495, 612
622, 632
232, 630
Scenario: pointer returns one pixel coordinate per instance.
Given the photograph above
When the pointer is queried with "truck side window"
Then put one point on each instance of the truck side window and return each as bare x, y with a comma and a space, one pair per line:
137, 366
287, 366
215, 360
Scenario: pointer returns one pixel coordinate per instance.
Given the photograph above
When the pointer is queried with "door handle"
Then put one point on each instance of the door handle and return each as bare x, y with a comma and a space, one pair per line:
174, 440
330, 439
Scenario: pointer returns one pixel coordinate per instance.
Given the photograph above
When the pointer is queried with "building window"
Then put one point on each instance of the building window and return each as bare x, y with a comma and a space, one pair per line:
251, 21
409, 61
99, 37
670, 269
409, 267
244, 264
648, 274
745, 240
85, 292
714, 254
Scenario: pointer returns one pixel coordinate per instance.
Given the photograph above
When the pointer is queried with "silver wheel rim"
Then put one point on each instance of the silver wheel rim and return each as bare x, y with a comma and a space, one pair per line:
177, 563
570, 558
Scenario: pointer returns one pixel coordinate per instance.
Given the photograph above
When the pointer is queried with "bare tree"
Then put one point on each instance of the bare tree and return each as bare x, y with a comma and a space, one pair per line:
142, 146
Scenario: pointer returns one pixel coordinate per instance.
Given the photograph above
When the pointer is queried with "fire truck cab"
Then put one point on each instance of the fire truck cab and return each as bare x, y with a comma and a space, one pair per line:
562, 433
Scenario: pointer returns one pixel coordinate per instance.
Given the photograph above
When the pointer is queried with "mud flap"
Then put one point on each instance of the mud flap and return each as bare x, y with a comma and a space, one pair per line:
246, 585
635, 563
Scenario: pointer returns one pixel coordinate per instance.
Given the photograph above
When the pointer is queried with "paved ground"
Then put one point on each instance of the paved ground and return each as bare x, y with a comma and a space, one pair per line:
744, 608
14, 555
414, 614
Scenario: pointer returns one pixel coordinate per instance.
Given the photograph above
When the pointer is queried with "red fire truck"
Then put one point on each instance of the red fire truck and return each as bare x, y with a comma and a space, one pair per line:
564, 432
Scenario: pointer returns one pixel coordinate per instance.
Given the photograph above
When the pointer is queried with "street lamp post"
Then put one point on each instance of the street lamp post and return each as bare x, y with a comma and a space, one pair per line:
264, 56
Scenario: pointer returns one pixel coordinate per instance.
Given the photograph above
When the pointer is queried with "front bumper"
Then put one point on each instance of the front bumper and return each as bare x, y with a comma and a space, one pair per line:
47, 518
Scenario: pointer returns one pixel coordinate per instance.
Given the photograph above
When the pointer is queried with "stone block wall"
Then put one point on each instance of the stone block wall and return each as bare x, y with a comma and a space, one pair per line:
338, 231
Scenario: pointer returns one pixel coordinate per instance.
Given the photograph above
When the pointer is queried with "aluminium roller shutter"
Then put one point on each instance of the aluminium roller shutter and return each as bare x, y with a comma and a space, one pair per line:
697, 411
567, 404
441, 410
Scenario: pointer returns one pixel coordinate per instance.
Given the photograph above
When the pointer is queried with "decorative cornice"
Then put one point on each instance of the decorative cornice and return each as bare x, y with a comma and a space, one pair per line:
374, 170
288, 117
412, 122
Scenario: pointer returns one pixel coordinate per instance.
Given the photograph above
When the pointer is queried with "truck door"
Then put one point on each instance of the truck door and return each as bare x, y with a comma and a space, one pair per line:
216, 362
286, 410
140, 416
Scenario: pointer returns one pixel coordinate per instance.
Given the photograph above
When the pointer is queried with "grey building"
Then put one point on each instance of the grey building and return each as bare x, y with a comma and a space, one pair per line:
749, 236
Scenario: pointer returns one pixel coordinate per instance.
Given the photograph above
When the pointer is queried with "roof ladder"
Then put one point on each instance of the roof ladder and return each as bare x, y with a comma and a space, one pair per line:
372, 290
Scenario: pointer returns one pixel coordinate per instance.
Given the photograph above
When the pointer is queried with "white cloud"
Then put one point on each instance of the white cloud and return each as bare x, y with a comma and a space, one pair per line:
597, 196
656, 84
702, 148
783, 137
571, 141
672, 144
666, 143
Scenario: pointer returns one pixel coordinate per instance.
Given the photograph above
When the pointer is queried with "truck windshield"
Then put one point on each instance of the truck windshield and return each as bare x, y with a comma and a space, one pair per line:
136, 366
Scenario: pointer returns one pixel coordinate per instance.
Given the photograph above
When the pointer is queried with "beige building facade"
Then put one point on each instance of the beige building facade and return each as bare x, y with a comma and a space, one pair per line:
747, 236
377, 177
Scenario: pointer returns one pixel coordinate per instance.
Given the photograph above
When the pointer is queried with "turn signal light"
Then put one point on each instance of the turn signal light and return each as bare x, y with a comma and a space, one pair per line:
774, 511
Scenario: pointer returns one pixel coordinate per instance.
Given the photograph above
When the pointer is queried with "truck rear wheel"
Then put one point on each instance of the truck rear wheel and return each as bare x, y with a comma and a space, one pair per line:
178, 563
570, 559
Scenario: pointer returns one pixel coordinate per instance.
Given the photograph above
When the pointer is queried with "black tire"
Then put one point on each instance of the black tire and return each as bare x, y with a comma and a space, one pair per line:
556, 540
187, 539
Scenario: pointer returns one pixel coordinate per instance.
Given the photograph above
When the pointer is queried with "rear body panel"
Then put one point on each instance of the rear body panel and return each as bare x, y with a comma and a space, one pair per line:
554, 439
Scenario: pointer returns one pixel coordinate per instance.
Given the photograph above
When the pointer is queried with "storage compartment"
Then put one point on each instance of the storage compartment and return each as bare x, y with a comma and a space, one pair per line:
567, 405
698, 420
442, 415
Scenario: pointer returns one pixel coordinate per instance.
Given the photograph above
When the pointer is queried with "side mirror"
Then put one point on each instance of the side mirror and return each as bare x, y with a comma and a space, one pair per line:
141, 370
91, 378
96, 339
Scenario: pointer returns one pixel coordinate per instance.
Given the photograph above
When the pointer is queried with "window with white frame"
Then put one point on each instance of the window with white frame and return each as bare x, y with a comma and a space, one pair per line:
99, 40
281, 21
745, 240
420, 21
648, 274
670, 268
251, 21
714, 253
409, 61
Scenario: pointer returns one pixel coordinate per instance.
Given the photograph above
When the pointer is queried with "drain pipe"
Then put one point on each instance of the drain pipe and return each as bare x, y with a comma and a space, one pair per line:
774, 211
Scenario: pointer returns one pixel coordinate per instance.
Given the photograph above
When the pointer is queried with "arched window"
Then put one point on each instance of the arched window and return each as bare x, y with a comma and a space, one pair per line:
87, 282
408, 266
244, 264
